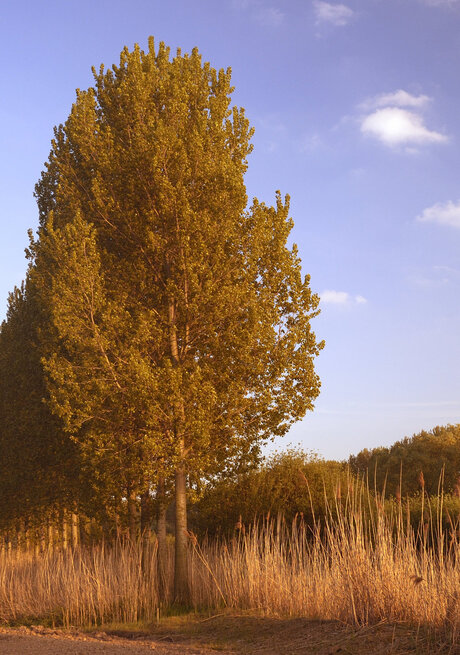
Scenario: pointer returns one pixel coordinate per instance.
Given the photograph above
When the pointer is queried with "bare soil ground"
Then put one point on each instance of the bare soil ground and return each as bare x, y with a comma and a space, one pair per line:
229, 635
59, 642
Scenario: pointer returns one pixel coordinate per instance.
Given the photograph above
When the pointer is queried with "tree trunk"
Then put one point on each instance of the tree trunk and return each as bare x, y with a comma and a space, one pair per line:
132, 515
27, 537
87, 532
118, 527
145, 530
42, 532
75, 530
50, 534
65, 529
21, 535
37, 542
161, 536
181, 588
145, 515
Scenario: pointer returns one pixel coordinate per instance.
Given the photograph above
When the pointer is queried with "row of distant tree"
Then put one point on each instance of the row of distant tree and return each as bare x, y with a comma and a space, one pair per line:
163, 331
295, 483
429, 461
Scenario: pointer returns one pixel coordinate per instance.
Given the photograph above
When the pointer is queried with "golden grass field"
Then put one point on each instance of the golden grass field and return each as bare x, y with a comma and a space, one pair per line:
353, 571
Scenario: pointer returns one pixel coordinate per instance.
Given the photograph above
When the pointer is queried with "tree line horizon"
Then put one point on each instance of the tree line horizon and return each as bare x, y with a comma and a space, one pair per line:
163, 331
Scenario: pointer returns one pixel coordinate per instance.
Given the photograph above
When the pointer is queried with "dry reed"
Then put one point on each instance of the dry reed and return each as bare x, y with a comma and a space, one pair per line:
361, 567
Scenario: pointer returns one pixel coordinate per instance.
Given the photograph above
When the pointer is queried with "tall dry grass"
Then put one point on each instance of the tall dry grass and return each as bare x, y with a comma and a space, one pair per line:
361, 567
80, 587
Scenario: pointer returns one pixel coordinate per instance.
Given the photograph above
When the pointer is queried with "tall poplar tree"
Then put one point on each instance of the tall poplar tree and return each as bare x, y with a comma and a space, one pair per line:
180, 331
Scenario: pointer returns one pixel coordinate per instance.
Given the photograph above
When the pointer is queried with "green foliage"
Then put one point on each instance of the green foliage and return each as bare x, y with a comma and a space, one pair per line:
170, 321
39, 466
289, 483
432, 453
179, 320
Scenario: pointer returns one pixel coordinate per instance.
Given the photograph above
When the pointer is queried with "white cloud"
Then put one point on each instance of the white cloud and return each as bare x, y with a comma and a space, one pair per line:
335, 297
270, 16
340, 298
448, 270
240, 4
394, 126
338, 14
435, 277
441, 3
272, 130
309, 143
272, 123
447, 213
428, 282
263, 14
399, 98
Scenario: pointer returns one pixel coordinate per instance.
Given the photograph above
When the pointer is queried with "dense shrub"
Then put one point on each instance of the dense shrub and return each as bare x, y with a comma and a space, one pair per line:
432, 453
288, 483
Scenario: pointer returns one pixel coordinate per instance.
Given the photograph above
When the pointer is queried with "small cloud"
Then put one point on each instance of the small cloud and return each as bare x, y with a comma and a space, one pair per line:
394, 126
435, 277
447, 270
335, 297
267, 16
240, 4
395, 119
310, 143
272, 130
399, 98
447, 213
441, 3
271, 146
336, 14
341, 298
427, 282
270, 16
357, 173
272, 123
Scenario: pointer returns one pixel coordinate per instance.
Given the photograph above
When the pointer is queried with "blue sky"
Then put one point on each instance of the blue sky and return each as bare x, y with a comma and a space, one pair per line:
355, 107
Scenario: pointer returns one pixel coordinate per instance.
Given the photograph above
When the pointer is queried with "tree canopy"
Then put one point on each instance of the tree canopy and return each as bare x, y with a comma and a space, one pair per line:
177, 329
414, 462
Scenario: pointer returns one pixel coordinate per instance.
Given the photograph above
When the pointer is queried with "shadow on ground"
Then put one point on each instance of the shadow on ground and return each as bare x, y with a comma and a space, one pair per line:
268, 636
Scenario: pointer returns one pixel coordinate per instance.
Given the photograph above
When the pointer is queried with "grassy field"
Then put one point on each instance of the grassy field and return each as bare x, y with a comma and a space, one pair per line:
364, 574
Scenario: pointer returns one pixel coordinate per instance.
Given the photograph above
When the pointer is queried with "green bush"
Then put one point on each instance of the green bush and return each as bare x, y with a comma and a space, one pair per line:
290, 483
434, 453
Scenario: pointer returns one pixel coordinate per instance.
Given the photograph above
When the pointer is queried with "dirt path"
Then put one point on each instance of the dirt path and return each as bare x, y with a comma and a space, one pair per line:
230, 635
24, 641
